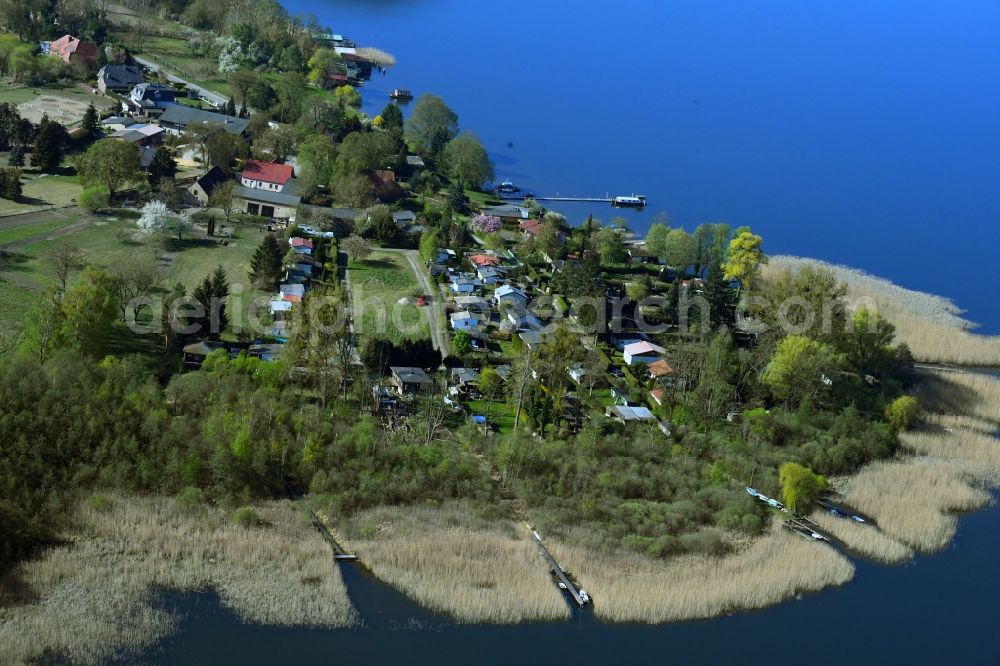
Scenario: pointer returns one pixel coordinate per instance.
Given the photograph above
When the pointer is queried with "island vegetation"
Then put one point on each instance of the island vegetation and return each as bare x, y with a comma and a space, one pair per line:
427, 366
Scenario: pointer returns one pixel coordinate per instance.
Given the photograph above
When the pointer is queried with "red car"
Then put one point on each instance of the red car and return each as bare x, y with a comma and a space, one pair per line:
421, 301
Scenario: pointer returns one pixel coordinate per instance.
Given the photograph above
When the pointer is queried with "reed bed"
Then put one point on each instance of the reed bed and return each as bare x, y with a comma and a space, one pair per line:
913, 499
452, 562
867, 540
966, 394
975, 453
932, 326
628, 587
91, 599
961, 422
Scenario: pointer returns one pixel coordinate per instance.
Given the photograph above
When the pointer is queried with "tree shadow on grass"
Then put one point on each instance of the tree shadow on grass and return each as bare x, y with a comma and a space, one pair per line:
12, 261
175, 245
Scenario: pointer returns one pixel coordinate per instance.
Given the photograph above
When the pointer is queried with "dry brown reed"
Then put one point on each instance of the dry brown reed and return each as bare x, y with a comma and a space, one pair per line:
962, 393
932, 326
90, 599
866, 540
452, 562
960, 422
974, 453
913, 499
628, 587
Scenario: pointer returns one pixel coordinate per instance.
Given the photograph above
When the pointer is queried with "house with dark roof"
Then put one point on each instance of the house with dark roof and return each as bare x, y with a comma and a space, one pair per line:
177, 119
72, 50
150, 99
269, 176
279, 206
203, 187
140, 134
118, 78
410, 380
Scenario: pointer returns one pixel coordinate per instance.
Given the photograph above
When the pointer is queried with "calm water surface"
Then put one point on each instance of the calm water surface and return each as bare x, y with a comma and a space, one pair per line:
857, 132
860, 133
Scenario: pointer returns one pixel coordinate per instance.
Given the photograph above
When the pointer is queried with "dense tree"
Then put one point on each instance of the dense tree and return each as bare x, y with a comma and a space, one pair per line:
656, 239
51, 139
465, 160
110, 163
290, 90
744, 259
392, 117
10, 184
278, 142
163, 166
316, 157
322, 65
94, 198
801, 369
89, 310
808, 301
461, 344
432, 123
362, 152
679, 250
266, 263
609, 245
380, 225
800, 486
354, 191
430, 245
91, 124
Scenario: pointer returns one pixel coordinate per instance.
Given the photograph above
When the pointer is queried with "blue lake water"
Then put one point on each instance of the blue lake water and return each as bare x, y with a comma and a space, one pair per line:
860, 133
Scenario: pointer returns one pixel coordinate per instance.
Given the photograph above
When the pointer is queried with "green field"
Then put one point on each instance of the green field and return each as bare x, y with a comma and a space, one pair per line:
24, 272
40, 191
377, 285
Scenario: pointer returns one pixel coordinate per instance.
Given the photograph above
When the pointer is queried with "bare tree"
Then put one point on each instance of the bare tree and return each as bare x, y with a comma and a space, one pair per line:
64, 257
223, 199
138, 278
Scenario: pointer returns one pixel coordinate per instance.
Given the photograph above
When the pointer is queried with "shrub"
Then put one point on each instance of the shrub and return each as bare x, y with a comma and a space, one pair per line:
246, 516
901, 414
190, 499
94, 198
98, 502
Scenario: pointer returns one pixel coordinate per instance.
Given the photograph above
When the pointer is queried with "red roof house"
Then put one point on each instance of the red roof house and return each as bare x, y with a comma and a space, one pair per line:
265, 175
73, 50
484, 260
531, 227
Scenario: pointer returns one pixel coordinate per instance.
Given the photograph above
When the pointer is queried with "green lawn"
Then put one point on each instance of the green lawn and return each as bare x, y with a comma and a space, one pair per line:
24, 272
40, 191
378, 284
498, 413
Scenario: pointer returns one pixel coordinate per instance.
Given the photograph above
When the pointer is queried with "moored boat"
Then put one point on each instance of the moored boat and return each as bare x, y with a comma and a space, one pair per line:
631, 201
401, 94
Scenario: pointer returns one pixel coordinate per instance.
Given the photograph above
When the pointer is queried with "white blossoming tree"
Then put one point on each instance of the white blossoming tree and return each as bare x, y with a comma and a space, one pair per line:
155, 217
231, 55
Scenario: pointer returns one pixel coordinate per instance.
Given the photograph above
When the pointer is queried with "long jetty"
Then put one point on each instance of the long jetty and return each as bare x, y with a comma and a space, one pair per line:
338, 552
557, 570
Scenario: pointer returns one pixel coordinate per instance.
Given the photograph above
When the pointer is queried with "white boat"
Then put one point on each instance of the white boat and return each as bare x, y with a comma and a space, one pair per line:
631, 201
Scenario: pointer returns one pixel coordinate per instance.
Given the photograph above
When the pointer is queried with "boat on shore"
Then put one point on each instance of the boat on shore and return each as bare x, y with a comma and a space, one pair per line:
401, 95
630, 201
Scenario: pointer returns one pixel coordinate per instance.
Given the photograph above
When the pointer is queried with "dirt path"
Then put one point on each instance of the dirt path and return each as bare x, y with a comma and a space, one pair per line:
52, 235
434, 310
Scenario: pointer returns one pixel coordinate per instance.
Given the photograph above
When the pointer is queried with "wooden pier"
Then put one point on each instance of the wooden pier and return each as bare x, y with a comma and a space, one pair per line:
557, 570
805, 528
339, 554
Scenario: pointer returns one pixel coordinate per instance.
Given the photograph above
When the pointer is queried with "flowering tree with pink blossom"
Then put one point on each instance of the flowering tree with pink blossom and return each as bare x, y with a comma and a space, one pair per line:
486, 224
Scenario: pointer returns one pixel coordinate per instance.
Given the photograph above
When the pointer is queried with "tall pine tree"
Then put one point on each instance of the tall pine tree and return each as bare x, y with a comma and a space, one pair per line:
91, 124
265, 265
163, 166
50, 140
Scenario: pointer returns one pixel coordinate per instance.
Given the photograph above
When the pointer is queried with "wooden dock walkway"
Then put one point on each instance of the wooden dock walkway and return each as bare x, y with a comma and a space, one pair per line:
557, 570
339, 553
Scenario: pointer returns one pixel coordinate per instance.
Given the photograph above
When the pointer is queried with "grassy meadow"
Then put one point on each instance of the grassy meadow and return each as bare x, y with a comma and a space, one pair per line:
379, 284
105, 240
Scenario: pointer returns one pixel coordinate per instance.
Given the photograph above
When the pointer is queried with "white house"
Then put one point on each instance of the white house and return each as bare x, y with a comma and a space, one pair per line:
642, 352
269, 176
509, 294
